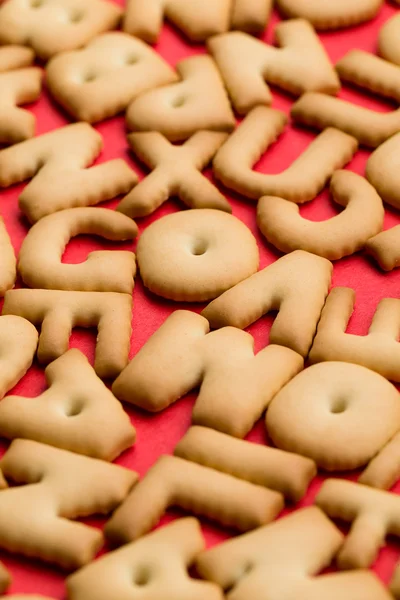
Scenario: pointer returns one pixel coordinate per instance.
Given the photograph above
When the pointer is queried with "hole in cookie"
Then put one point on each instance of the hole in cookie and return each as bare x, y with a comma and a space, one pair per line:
178, 102
132, 59
141, 577
74, 409
339, 406
89, 77
36, 3
199, 248
76, 16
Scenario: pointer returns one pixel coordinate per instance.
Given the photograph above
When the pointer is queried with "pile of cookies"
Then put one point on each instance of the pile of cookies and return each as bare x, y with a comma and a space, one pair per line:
327, 397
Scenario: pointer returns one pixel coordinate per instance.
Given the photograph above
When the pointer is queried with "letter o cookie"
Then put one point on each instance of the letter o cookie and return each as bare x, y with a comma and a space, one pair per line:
336, 413
195, 255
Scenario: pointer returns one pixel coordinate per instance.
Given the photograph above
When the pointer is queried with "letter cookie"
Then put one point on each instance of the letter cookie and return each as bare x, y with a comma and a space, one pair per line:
317, 415
196, 255
247, 64
5, 579
53, 26
15, 57
296, 285
251, 16
385, 248
18, 87
172, 481
382, 170
8, 262
57, 163
284, 472
197, 19
18, 343
301, 181
331, 15
374, 515
160, 560
395, 583
59, 312
370, 73
369, 127
101, 80
384, 469
235, 386
388, 40
54, 486
177, 111
378, 351
39, 261
99, 427
176, 171
281, 223
282, 560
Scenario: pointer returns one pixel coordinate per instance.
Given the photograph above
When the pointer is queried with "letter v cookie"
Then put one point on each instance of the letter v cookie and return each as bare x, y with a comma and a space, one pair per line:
176, 171
18, 87
54, 487
57, 163
77, 412
159, 560
177, 111
197, 19
247, 64
18, 343
301, 181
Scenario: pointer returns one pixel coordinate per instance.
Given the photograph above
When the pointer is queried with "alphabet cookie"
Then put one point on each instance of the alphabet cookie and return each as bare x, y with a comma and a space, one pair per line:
374, 514
172, 481
101, 80
247, 64
196, 255
378, 351
281, 223
369, 127
183, 355
8, 262
57, 163
331, 15
53, 26
382, 170
385, 248
18, 343
39, 261
18, 87
285, 472
59, 311
15, 57
301, 181
251, 16
197, 19
296, 285
319, 411
77, 412
159, 559
177, 111
388, 40
175, 171
53, 487
5, 579
282, 560
384, 469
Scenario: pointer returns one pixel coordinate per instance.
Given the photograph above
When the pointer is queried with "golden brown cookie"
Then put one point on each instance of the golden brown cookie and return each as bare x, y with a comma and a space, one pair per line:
296, 286
15, 57
382, 170
331, 15
77, 412
40, 256
388, 40
195, 255
385, 248
18, 87
18, 343
301, 181
175, 171
8, 262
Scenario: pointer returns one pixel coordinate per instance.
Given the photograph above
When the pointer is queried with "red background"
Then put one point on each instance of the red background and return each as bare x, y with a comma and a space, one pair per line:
157, 434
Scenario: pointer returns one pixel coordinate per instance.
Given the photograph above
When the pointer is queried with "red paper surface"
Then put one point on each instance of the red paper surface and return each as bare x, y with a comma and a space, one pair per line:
158, 434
